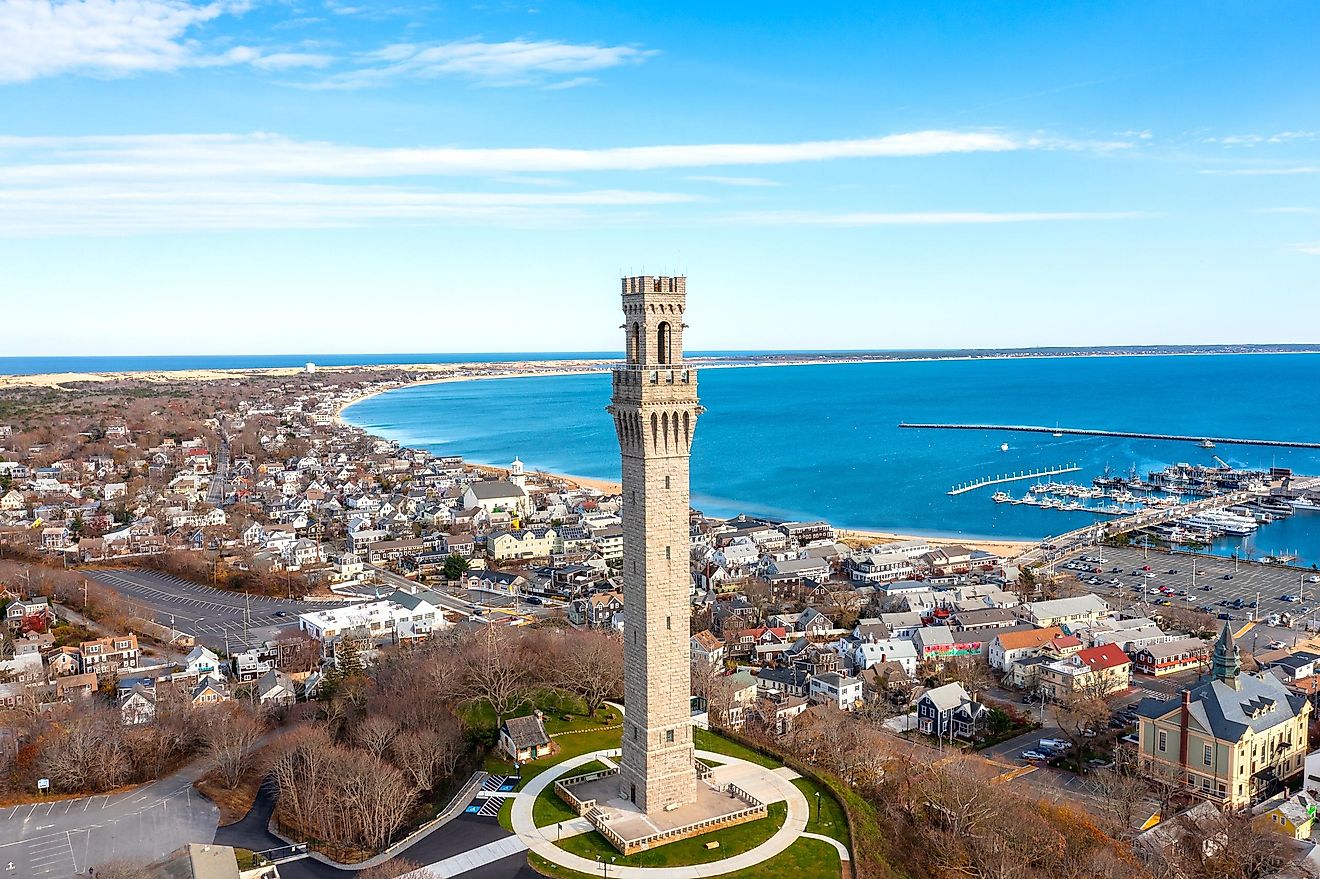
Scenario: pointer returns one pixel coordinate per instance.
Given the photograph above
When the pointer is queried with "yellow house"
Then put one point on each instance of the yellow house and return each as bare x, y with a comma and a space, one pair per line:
1295, 816
1235, 739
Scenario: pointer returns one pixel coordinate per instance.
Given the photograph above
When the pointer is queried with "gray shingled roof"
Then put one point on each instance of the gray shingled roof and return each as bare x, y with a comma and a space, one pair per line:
526, 731
1258, 703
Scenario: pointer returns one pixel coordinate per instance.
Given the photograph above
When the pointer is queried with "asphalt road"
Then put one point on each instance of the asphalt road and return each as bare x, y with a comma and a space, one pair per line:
215, 617
463, 833
60, 838
1217, 580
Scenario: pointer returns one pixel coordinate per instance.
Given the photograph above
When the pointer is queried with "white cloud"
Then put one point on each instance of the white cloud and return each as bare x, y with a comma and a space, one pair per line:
1308, 249
926, 218
115, 38
146, 157
1251, 140
1261, 172
116, 209
514, 62
734, 181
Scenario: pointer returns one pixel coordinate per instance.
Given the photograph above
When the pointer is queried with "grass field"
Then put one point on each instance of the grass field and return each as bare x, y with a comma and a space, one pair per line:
706, 740
550, 809
804, 859
827, 818
732, 840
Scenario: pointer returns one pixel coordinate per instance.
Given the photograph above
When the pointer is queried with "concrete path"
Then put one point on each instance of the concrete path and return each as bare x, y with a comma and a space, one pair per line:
785, 772
840, 847
774, 786
477, 857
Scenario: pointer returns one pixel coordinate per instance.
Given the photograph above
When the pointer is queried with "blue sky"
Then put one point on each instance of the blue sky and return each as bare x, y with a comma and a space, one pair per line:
359, 176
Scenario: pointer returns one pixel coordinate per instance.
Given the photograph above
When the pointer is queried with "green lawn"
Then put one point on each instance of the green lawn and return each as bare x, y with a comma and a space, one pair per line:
550, 809
732, 840
591, 738
804, 859
706, 740
829, 820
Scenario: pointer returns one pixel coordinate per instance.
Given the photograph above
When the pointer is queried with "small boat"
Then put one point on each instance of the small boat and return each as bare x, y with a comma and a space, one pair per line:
1057, 433
1003, 447
1206, 444
1001, 497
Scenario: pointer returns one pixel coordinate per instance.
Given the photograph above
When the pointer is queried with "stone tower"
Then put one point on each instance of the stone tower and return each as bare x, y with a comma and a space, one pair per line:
655, 411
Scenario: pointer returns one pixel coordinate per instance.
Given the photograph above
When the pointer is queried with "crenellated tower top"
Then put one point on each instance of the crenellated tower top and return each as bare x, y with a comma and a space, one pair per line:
653, 313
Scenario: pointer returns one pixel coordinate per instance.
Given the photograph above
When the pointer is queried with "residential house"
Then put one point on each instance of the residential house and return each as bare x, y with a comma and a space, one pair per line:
275, 690
22, 611
1007, 648
841, 691
597, 611
1294, 816
109, 655
948, 712
867, 654
707, 650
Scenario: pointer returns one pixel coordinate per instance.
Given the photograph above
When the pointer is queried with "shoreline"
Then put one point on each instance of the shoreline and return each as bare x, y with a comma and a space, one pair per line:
475, 370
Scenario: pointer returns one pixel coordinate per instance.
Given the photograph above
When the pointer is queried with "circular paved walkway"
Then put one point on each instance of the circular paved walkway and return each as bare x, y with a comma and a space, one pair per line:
794, 827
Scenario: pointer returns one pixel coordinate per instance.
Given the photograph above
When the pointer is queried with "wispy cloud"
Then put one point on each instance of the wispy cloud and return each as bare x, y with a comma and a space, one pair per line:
1262, 172
170, 156
927, 218
115, 38
116, 209
1252, 140
1308, 249
734, 181
513, 62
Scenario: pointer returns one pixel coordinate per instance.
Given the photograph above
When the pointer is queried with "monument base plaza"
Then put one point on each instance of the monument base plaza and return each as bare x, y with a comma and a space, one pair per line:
719, 802
757, 782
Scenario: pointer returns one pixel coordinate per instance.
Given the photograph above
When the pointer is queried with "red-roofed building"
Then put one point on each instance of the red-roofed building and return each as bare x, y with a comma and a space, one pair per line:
1096, 671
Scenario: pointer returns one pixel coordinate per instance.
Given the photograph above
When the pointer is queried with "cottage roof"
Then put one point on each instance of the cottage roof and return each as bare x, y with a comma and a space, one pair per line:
526, 732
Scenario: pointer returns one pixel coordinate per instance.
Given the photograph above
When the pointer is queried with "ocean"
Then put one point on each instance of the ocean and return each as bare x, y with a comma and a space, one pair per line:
823, 442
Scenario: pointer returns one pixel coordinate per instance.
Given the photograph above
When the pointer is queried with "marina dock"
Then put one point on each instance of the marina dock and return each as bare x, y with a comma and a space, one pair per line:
1078, 431
1015, 477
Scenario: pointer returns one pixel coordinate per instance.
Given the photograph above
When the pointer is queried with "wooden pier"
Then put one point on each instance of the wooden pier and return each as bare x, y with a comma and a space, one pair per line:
1078, 431
1015, 477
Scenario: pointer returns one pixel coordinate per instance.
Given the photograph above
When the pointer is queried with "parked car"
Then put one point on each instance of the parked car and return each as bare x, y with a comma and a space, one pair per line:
1034, 756
1277, 645
1225, 616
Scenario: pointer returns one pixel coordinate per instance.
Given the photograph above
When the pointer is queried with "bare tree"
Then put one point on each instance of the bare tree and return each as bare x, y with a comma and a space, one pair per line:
231, 732
490, 672
375, 733
591, 666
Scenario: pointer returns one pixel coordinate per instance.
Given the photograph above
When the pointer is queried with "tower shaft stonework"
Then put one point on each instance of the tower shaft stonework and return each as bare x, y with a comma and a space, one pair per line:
655, 411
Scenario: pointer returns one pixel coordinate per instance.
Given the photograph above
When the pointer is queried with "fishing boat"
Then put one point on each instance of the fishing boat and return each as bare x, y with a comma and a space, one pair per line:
1001, 497
1206, 444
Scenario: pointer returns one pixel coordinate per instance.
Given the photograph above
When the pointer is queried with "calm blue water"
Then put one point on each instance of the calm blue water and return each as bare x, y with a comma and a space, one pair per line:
823, 441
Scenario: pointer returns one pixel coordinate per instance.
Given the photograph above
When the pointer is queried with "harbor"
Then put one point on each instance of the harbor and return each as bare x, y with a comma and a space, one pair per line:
1013, 477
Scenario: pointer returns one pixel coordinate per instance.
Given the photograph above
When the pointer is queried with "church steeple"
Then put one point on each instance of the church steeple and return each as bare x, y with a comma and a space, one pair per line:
1226, 664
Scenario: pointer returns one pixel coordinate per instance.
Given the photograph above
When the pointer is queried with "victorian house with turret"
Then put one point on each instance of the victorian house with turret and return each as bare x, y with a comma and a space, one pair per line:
1235, 739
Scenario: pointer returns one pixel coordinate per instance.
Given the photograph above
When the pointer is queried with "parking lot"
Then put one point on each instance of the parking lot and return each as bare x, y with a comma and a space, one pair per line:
61, 838
215, 617
1213, 585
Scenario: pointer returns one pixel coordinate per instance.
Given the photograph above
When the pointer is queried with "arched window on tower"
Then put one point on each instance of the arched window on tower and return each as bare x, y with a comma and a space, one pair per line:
662, 342
635, 343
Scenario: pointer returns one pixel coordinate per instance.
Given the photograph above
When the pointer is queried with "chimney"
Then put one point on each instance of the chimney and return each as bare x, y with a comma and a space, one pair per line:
1183, 722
